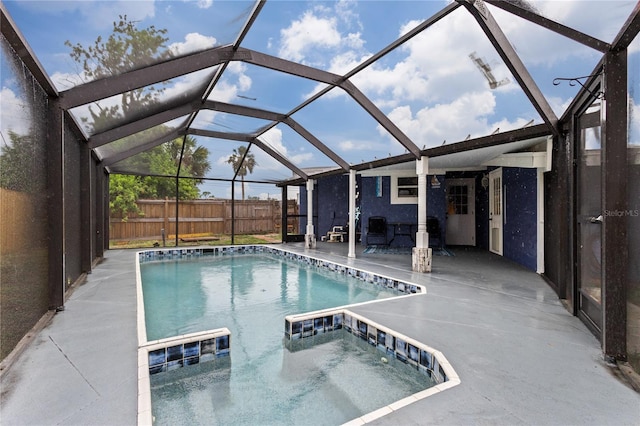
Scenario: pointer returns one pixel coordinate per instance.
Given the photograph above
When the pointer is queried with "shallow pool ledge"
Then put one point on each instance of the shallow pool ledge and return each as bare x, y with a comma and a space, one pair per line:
425, 359
168, 354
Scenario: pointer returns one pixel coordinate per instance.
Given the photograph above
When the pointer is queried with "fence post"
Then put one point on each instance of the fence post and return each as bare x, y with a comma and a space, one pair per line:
166, 214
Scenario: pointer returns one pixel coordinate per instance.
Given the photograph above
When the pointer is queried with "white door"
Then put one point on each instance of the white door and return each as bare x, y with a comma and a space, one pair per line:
461, 212
495, 211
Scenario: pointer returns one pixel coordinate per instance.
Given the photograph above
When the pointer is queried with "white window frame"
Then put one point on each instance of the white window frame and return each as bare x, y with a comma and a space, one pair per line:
397, 199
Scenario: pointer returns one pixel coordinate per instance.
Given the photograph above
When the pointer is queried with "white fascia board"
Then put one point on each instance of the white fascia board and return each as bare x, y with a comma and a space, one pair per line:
525, 160
432, 171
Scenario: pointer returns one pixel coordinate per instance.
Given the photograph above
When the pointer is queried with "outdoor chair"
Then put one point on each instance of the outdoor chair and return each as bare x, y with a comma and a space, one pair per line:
377, 231
433, 228
337, 234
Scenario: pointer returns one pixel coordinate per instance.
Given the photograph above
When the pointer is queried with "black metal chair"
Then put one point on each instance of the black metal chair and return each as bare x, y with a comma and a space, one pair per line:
377, 230
433, 228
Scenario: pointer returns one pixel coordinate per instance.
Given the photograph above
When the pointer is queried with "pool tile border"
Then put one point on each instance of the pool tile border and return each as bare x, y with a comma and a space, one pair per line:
168, 354
377, 279
189, 349
425, 359
387, 341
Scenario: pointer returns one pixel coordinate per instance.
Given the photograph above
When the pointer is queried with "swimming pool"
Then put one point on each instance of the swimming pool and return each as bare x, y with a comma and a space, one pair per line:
250, 292
258, 352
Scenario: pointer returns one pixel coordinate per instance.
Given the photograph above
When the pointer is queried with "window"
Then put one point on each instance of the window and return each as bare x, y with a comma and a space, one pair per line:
404, 189
458, 202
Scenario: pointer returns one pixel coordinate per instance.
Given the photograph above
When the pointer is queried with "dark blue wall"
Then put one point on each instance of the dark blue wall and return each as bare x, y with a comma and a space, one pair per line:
372, 205
520, 227
331, 205
331, 208
482, 213
332, 202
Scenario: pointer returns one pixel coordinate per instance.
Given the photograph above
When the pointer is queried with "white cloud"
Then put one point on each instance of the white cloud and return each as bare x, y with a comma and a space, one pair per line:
453, 122
559, 105
300, 159
351, 145
227, 89
307, 33
437, 66
185, 84
548, 49
434, 66
581, 15
14, 115
321, 33
239, 69
222, 161
244, 82
65, 81
273, 138
224, 92
204, 4
193, 42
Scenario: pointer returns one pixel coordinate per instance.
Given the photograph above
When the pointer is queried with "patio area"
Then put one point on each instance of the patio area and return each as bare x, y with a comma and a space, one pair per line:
522, 358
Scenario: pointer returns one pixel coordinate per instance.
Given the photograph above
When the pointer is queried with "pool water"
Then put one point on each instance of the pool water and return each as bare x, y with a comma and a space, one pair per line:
334, 381
249, 294
337, 379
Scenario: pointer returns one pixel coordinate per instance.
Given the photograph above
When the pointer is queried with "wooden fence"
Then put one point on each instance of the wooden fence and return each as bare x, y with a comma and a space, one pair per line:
200, 217
21, 226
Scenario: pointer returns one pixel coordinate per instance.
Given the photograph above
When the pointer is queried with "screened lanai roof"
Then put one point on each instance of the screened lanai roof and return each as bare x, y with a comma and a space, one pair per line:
334, 85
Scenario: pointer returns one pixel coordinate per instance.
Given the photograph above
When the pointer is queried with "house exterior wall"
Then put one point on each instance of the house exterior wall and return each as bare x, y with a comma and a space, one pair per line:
520, 228
372, 205
331, 205
520, 222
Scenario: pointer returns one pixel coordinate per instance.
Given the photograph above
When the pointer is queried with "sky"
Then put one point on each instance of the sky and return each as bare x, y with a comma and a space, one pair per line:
430, 87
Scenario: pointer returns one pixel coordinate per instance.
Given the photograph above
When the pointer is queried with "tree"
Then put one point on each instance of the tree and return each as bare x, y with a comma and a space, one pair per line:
127, 48
240, 167
161, 187
123, 194
195, 158
20, 162
162, 163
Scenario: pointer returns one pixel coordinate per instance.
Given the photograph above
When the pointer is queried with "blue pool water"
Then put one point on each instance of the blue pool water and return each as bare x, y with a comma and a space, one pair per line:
337, 379
250, 293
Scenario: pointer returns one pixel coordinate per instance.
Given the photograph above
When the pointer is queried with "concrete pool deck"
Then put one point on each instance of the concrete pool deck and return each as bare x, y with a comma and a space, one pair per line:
521, 357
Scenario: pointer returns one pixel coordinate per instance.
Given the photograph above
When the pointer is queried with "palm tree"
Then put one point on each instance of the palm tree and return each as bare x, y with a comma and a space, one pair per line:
241, 167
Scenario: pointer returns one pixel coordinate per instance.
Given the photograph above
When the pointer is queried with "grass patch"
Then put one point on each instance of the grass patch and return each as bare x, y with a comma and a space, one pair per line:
222, 240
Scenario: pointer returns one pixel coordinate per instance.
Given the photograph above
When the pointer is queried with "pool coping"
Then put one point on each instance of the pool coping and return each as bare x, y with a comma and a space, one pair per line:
145, 416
